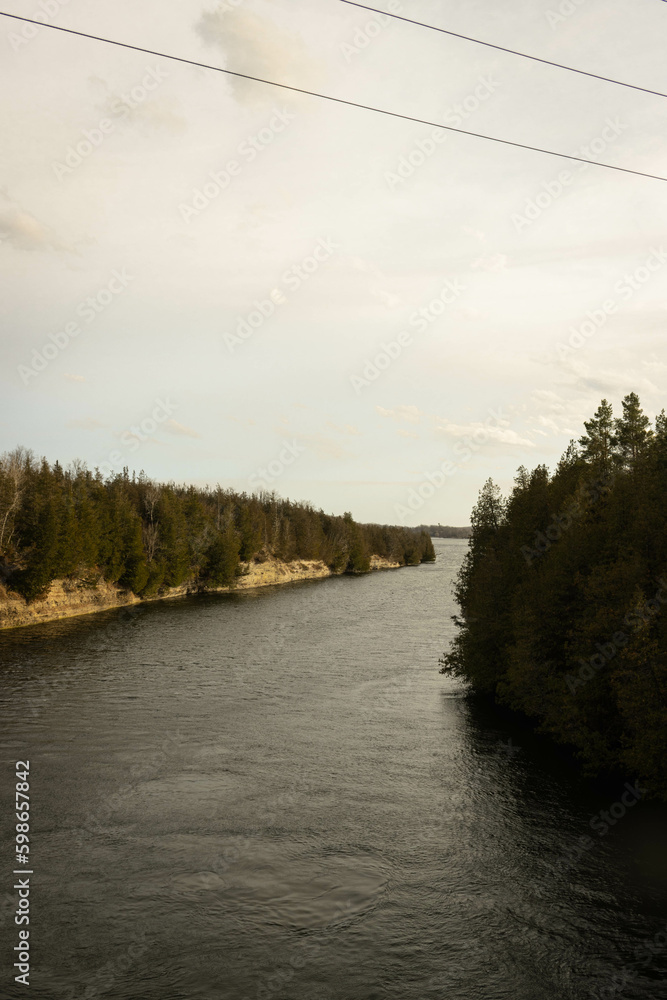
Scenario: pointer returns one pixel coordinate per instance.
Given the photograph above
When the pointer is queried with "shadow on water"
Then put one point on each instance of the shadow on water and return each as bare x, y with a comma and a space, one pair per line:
576, 842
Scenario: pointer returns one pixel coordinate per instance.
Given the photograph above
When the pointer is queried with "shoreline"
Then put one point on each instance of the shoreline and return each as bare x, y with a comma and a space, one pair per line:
70, 599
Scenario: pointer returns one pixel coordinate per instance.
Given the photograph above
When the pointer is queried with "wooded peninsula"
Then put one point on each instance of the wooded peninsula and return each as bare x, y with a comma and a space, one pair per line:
563, 597
148, 537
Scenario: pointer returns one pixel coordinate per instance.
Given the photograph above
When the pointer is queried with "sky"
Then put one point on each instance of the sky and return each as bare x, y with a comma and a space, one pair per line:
215, 280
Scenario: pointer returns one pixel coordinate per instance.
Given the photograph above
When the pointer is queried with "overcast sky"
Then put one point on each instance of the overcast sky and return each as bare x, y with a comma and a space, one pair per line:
227, 330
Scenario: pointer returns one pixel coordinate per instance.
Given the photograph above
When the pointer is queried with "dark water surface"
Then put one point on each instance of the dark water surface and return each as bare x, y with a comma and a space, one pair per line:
276, 795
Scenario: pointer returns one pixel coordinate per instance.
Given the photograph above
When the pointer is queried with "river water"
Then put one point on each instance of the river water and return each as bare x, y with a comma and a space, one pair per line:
274, 795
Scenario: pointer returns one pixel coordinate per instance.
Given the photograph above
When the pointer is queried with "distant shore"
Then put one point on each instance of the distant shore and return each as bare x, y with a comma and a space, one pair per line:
444, 531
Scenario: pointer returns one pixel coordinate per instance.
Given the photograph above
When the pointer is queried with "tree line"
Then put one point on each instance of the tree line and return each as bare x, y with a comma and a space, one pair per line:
444, 531
146, 537
563, 596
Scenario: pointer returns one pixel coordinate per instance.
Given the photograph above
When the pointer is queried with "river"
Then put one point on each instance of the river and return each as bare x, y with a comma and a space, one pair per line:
274, 795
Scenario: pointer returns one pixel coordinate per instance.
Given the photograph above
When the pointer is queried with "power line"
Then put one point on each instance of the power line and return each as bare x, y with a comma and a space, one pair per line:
336, 100
501, 48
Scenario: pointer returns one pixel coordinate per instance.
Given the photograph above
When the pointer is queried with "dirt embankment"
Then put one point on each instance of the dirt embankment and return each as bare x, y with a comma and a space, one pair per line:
67, 598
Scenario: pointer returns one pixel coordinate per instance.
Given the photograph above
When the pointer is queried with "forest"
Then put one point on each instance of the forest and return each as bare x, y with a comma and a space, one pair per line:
563, 597
146, 537
444, 531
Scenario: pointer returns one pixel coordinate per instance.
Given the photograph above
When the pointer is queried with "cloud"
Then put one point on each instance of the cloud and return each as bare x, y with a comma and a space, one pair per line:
345, 429
387, 298
605, 382
411, 414
550, 424
137, 105
546, 411
491, 262
85, 424
498, 435
160, 113
157, 114
378, 287
548, 398
323, 447
175, 428
24, 232
73, 378
256, 45
407, 434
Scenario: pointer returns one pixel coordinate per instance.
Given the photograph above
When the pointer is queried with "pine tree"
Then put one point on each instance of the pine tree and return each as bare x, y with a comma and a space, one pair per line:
250, 532
575, 637
633, 431
221, 560
478, 652
148, 536
358, 557
488, 514
599, 441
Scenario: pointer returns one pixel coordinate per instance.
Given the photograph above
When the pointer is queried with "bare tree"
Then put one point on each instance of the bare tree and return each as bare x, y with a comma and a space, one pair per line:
151, 497
151, 537
14, 467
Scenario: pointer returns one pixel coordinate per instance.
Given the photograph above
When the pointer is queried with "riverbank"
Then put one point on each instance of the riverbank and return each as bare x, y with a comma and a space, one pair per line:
70, 598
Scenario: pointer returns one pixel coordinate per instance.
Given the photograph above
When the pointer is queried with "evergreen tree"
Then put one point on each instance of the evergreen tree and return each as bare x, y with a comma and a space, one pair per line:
574, 634
599, 441
633, 431
358, 557
148, 537
221, 560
